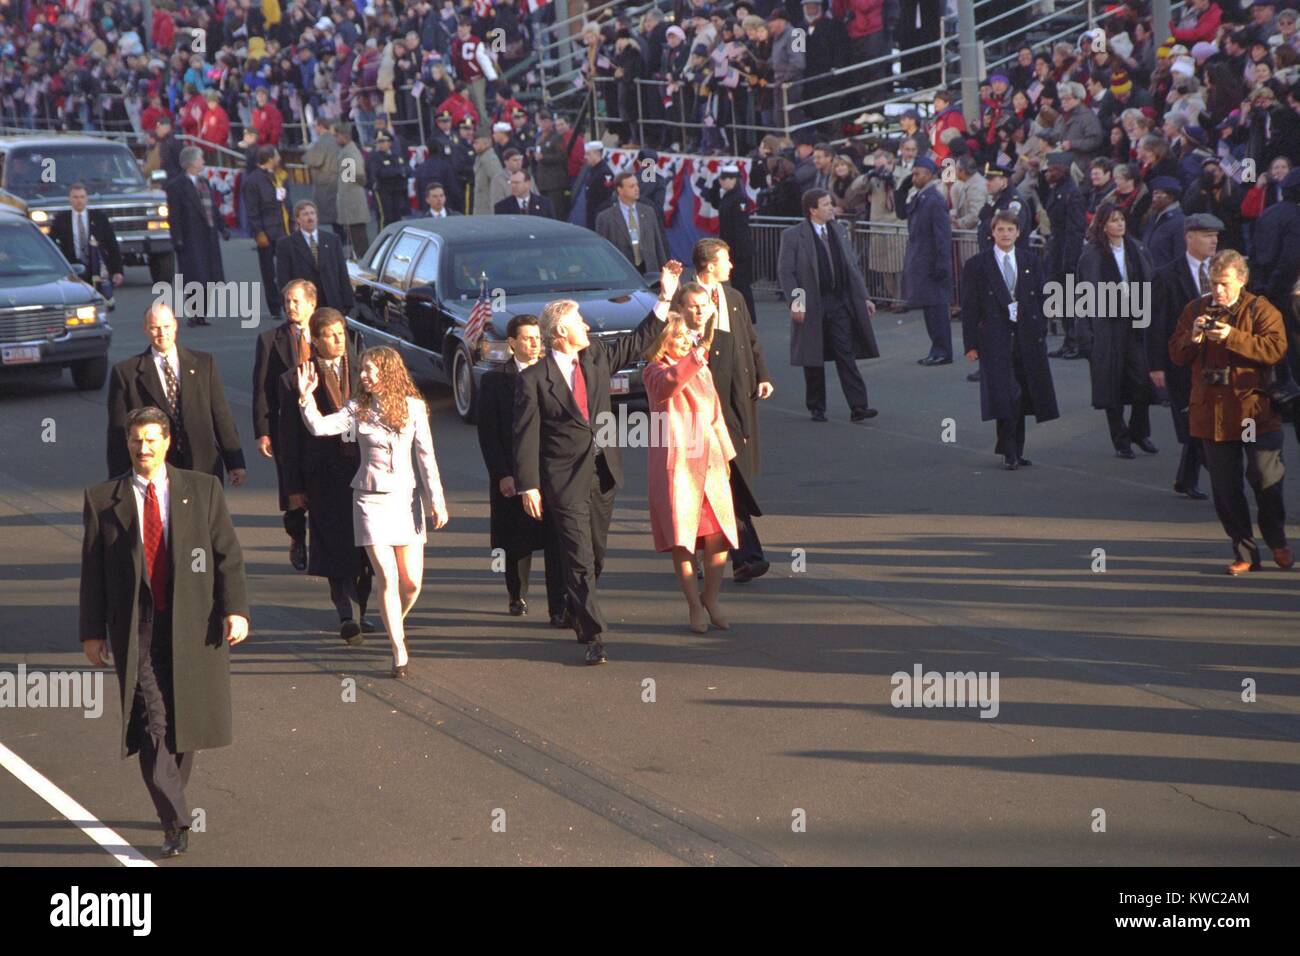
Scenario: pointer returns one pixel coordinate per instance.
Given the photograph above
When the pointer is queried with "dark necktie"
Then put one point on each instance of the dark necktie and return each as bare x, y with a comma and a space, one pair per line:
1205, 278
1009, 275
303, 345
205, 200
523, 207
155, 549
81, 237
315, 250
580, 391
830, 254
173, 386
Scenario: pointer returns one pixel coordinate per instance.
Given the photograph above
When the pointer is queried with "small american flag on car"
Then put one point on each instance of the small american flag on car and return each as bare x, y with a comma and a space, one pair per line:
480, 315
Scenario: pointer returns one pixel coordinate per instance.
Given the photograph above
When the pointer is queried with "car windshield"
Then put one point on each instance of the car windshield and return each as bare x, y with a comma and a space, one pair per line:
45, 171
577, 264
25, 252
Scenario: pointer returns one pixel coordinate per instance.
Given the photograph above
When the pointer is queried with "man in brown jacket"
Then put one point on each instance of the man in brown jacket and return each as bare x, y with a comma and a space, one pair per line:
1231, 339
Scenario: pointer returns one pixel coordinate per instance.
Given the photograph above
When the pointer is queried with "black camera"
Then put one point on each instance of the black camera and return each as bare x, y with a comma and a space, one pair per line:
1214, 376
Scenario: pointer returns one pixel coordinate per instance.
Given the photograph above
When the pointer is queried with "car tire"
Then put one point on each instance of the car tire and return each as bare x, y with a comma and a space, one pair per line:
162, 267
89, 375
464, 391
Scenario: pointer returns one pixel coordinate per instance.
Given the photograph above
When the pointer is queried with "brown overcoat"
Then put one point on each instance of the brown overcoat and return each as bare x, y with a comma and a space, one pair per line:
1256, 343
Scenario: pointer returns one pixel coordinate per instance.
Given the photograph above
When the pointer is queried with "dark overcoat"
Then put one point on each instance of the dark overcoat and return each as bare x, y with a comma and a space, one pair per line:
204, 436
927, 263
321, 467
986, 326
197, 245
1106, 338
737, 365
1174, 289
511, 528
207, 574
797, 271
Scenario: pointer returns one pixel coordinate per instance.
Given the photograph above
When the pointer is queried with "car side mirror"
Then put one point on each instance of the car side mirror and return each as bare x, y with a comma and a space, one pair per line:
80, 269
424, 294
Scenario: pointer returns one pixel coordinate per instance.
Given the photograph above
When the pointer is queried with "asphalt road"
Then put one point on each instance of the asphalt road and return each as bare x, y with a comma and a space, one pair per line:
891, 548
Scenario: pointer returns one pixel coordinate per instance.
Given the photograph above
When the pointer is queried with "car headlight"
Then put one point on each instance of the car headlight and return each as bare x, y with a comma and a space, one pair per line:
84, 315
163, 212
40, 215
494, 350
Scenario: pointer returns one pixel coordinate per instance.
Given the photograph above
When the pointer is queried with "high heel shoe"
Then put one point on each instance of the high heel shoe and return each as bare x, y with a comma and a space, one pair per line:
717, 620
399, 670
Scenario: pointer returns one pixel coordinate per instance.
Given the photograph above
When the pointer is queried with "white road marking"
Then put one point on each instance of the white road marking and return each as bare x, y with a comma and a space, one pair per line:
122, 851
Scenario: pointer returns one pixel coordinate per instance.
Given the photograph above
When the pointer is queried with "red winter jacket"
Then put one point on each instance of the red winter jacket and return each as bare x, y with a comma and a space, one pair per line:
269, 123
1204, 30
162, 33
868, 17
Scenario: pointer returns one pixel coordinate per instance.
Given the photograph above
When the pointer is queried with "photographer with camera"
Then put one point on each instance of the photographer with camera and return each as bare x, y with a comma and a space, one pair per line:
1231, 339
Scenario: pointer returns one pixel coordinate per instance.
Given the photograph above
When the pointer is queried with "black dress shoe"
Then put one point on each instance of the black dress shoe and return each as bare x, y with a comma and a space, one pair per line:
1146, 446
562, 621
367, 627
862, 414
350, 631
1070, 353
298, 554
518, 608
973, 376
596, 653
932, 361
1010, 464
175, 842
747, 572
1196, 494
1057, 353
1124, 451
1023, 462
819, 416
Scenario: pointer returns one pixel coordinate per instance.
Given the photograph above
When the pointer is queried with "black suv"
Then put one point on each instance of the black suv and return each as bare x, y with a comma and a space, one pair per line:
48, 316
418, 282
36, 171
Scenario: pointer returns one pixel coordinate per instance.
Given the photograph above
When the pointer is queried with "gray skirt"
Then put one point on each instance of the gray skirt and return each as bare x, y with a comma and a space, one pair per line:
387, 518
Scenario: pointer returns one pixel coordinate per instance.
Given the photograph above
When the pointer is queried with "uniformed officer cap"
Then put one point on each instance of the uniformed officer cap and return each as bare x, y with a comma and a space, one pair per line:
1058, 159
729, 170
383, 138
993, 169
445, 115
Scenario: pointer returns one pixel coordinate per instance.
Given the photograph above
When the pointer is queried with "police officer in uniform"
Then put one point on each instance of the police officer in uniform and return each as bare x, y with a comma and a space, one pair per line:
443, 136
734, 208
437, 167
387, 172
462, 163
1001, 196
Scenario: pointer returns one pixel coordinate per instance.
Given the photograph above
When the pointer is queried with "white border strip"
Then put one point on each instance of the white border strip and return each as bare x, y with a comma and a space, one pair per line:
122, 851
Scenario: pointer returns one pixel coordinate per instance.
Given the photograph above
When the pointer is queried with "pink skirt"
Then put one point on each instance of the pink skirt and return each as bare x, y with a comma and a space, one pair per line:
708, 524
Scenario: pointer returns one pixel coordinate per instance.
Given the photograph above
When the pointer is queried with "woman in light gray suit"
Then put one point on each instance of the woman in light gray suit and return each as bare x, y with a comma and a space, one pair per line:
389, 421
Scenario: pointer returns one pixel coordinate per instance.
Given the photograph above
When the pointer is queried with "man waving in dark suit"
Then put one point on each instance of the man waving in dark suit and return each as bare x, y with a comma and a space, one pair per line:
559, 404
162, 585
86, 236
186, 385
308, 253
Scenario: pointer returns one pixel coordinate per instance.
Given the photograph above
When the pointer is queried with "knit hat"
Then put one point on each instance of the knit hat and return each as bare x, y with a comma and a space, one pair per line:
1120, 82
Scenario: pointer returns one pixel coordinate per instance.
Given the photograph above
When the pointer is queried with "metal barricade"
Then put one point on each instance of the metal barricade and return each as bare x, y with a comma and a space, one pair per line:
879, 248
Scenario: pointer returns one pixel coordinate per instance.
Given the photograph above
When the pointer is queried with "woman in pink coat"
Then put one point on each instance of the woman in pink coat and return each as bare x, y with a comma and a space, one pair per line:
689, 489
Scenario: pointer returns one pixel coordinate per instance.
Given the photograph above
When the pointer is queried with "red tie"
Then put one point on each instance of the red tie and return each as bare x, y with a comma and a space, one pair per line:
717, 306
580, 390
155, 549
